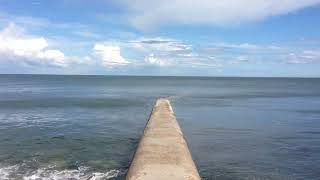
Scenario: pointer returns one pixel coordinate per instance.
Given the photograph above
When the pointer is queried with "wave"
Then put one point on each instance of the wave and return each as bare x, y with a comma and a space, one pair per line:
49, 173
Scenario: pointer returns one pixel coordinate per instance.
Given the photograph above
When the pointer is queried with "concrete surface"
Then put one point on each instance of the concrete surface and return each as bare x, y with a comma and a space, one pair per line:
162, 152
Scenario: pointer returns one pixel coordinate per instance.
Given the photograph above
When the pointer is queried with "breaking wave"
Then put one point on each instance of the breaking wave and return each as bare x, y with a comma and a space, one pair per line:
49, 173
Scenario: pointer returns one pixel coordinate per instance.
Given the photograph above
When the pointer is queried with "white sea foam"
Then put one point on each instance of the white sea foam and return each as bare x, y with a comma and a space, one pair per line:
82, 173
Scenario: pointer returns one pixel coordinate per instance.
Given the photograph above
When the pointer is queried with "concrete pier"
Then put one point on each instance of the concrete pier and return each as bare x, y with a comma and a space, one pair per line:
162, 152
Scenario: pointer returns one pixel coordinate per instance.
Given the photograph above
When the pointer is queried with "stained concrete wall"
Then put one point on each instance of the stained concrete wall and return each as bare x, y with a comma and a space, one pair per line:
162, 152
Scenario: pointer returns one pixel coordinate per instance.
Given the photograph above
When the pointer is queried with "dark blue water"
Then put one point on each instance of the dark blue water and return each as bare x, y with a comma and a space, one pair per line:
87, 127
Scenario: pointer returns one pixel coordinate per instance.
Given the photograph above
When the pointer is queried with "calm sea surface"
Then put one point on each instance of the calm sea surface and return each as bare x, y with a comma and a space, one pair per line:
87, 127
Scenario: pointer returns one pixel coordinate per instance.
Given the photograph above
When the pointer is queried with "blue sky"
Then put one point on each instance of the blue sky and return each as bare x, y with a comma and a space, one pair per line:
168, 37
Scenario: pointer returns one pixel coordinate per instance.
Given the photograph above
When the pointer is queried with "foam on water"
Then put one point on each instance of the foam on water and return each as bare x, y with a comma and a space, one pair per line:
49, 173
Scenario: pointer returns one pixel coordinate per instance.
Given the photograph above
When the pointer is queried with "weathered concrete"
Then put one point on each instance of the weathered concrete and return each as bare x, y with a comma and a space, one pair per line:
162, 152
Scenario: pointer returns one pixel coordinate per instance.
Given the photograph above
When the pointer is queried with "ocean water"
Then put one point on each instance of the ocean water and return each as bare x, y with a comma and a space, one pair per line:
87, 127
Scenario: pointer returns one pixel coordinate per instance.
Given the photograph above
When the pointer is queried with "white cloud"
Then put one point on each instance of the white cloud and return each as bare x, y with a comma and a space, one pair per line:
161, 52
239, 59
245, 46
109, 55
166, 51
87, 34
16, 45
311, 54
304, 57
148, 14
151, 59
36, 22
160, 44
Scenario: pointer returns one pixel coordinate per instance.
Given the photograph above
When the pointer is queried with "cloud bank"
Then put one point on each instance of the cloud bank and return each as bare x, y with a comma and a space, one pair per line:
152, 60
16, 45
146, 14
304, 57
110, 55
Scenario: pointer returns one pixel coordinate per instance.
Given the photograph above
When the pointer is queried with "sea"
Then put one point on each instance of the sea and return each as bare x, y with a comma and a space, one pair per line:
88, 127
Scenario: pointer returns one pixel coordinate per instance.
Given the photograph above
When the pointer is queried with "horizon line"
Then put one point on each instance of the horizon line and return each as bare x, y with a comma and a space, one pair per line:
190, 76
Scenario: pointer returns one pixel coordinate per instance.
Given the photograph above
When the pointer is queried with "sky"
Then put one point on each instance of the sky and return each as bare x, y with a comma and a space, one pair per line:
251, 38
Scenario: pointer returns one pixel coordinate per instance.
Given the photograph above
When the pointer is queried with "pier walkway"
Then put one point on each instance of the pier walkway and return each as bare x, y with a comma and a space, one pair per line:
162, 152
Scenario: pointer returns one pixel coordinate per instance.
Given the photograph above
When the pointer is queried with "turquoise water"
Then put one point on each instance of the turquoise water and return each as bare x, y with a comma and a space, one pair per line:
87, 127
